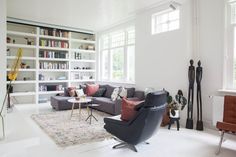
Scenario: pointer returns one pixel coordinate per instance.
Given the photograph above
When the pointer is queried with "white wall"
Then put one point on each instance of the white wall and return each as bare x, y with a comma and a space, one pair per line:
162, 60
3, 54
211, 50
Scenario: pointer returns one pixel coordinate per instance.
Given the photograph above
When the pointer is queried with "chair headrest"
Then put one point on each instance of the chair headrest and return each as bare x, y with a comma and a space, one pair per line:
157, 98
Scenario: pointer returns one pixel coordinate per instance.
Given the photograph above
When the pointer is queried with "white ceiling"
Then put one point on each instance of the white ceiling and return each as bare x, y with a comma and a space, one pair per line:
85, 14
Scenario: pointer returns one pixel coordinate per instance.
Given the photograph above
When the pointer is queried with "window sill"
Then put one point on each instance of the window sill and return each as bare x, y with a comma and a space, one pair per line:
118, 83
227, 91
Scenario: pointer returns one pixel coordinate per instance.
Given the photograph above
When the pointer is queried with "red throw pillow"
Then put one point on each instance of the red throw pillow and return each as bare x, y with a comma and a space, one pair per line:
91, 89
128, 111
72, 91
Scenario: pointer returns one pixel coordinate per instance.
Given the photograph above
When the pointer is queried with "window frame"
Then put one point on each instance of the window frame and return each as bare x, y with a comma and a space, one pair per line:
155, 24
109, 49
228, 72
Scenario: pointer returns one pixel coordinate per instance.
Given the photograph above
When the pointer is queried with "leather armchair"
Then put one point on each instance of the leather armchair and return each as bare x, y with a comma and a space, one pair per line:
143, 125
229, 119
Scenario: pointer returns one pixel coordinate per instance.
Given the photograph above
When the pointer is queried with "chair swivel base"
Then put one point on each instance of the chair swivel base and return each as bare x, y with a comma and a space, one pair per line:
124, 144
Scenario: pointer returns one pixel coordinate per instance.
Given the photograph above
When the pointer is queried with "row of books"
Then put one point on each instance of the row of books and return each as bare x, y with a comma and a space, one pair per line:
53, 43
54, 32
53, 54
52, 65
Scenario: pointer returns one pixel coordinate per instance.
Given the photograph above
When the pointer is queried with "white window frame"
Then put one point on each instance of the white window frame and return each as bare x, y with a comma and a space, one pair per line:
154, 21
228, 75
109, 49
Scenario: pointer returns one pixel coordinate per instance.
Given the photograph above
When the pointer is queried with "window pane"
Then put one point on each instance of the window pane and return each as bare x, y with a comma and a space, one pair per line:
131, 63
104, 42
173, 25
233, 13
131, 35
117, 63
174, 15
164, 21
117, 39
105, 65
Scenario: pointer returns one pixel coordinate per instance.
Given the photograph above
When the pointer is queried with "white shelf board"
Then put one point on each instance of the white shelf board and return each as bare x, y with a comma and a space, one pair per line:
83, 60
21, 46
83, 51
24, 70
53, 48
53, 59
90, 80
83, 41
22, 93
23, 58
22, 82
81, 70
53, 37
21, 34
52, 81
50, 92
54, 70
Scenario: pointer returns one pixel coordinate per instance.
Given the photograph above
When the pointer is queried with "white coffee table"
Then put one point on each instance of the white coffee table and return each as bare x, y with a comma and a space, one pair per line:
81, 101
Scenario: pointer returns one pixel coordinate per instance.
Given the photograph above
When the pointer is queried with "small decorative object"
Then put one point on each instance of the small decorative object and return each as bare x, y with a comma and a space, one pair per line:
23, 65
175, 106
191, 78
27, 67
8, 40
28, 41
77, 98
199, 97
14, 41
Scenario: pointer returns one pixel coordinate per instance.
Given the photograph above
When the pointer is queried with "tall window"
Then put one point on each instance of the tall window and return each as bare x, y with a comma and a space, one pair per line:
230, 57
165, 21
117, 50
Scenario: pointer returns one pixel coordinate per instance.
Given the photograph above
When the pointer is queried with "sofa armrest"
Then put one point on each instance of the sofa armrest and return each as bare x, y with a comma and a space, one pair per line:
139, 94
117, 107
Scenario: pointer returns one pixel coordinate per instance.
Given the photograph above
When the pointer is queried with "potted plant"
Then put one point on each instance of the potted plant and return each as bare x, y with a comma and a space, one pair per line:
177, 104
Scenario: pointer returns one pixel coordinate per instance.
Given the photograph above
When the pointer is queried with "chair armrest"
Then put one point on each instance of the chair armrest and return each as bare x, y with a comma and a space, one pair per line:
115, 120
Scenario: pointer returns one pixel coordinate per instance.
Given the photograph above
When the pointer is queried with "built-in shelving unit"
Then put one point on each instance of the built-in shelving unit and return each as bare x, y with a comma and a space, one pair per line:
53, 59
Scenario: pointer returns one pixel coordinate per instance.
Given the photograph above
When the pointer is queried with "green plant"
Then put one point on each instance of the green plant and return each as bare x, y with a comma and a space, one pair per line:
179, 102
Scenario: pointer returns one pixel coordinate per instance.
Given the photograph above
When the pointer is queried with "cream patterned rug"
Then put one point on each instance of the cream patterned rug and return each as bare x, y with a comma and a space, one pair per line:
66, 131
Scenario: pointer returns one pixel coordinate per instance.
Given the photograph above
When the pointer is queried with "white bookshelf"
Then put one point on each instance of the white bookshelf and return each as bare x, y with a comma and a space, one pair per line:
35, 55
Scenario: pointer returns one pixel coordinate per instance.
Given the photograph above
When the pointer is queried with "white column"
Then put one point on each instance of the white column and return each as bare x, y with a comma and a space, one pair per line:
2, 54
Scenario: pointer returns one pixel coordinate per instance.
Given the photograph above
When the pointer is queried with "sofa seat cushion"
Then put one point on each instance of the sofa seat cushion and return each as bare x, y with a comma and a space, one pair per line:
61, 103
105, 104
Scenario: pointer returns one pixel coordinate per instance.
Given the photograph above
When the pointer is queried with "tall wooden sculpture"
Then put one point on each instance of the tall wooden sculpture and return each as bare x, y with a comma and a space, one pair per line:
199, 97
191, 78
12, 75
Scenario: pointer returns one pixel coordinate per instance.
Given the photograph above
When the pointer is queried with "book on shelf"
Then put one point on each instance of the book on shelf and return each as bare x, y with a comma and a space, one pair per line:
53, 54
54, 43
54, 32
53, 65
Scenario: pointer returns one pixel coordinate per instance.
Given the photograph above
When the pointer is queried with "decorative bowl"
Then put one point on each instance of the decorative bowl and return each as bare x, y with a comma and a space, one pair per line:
77, 98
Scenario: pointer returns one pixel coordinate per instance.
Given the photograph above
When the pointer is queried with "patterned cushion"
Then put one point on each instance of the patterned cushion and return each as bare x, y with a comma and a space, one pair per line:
115, 94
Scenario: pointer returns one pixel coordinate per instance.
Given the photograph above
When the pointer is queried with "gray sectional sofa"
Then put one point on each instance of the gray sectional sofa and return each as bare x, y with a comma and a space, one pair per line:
105, 102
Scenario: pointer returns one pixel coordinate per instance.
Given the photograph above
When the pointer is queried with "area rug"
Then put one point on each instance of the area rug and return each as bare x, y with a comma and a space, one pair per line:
66, 131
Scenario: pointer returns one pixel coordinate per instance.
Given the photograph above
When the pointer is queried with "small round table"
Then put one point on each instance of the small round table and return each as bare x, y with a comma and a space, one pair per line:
80, 101
91, 112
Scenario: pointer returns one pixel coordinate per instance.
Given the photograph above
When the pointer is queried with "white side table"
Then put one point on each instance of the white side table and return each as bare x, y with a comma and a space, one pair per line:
81, 101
